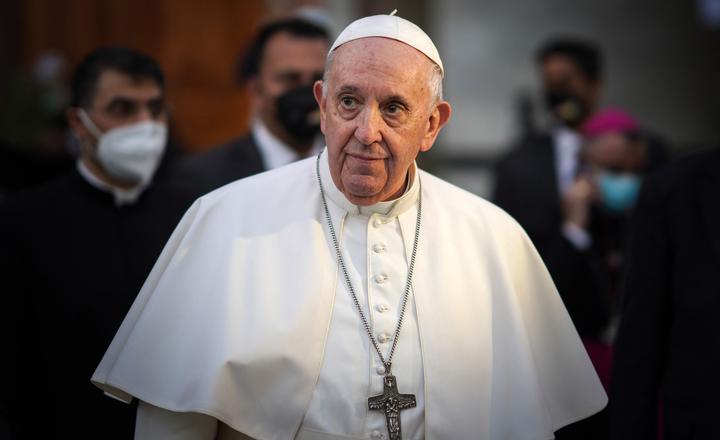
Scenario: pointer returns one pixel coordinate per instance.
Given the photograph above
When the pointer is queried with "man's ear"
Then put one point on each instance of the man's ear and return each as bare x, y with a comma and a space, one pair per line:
320, 99
76, 125
252, 90
438, 118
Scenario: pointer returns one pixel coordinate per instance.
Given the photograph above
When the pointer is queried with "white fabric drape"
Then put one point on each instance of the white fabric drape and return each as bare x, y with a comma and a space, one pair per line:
233, 320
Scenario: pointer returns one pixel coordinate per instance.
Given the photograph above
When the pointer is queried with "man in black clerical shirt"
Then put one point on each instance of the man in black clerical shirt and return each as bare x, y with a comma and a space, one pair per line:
74, 252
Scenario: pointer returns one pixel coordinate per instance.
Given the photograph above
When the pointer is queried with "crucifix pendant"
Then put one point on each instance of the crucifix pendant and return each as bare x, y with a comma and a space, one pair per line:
391, 402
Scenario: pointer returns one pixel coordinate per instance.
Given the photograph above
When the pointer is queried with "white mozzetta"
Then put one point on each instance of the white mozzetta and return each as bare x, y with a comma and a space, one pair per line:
235, 317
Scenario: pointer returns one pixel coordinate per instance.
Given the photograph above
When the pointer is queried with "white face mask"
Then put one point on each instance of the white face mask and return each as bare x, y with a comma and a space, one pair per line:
131, 153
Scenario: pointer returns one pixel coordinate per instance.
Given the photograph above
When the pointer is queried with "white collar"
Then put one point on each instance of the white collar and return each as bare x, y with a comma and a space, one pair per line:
567, 139
392, 208
273, 151
121, 196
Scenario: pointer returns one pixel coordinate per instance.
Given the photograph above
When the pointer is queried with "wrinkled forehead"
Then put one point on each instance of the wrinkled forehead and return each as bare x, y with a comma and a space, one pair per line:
368, 48
385, 55
379, 63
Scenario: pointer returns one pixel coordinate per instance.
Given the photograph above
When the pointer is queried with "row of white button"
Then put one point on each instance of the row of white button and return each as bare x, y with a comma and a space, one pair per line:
383, 338
381, 278
379, 222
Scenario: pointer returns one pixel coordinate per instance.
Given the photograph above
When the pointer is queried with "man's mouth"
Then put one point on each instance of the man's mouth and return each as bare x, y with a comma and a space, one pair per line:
365, 157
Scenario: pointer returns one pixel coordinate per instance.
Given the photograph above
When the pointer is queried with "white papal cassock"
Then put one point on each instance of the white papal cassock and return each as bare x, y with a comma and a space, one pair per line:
246, 318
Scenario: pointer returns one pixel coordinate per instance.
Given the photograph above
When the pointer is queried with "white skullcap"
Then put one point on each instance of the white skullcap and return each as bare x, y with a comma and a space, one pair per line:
394, 27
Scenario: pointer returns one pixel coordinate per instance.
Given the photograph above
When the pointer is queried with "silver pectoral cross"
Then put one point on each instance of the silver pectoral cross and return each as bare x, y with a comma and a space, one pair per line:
391, 402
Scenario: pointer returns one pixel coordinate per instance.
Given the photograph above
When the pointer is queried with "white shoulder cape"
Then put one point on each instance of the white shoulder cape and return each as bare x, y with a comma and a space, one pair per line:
232, 320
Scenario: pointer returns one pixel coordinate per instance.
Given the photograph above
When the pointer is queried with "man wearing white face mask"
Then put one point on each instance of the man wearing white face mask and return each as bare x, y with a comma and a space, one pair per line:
129, 154
122, 147
73, 253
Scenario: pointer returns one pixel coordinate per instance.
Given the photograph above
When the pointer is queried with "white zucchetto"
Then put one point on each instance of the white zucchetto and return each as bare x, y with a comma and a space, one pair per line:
394, 27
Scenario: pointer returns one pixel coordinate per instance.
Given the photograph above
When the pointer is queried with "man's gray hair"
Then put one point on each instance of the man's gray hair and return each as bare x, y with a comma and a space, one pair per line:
436, 78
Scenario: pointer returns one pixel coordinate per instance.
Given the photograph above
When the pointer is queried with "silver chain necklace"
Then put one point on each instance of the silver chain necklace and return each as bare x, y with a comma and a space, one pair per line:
391, 401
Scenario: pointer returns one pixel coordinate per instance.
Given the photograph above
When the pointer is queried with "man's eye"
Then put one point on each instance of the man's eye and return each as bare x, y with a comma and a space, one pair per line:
347, 102
394, 109
122, 108
156, 108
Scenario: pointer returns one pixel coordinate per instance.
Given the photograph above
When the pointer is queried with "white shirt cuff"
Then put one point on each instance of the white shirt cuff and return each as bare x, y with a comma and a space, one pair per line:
579, 237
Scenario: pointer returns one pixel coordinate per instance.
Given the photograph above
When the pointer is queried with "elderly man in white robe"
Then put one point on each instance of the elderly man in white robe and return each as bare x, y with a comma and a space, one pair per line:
353, 295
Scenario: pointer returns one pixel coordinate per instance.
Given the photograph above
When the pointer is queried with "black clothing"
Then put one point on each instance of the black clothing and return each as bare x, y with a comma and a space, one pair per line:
526, 187
72, 263
221, 165
668, 346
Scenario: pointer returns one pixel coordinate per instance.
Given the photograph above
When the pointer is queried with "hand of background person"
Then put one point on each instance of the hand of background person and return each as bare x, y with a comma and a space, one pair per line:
577, 200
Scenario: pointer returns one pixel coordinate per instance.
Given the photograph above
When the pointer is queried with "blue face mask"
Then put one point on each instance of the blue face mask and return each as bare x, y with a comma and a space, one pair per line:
618, 191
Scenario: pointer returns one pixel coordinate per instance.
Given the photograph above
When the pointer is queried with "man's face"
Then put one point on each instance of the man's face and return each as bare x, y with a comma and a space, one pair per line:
121, 100
616, 153
377, 116
287, 62
561, 76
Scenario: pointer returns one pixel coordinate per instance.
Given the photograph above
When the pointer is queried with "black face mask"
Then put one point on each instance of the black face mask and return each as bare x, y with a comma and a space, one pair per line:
299, 113
570, 109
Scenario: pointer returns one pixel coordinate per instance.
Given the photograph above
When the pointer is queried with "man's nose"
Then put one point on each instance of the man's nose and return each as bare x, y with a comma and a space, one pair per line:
144, 114
368, 126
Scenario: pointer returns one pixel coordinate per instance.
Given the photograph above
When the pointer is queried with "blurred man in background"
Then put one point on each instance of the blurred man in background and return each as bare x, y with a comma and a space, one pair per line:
668, 345
533, 177
597, 209
279, 69
544, 185
536, 178
35, 144
74, 252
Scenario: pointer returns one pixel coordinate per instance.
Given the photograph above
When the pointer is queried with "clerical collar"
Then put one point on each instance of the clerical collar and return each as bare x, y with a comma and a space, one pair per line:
273, 151
392, 208
121, 196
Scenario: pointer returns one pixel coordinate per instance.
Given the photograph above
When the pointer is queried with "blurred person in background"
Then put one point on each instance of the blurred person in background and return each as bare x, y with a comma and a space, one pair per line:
279, 68
533, 176
75, 251
668, 344
532, 179
587, 260
35, 142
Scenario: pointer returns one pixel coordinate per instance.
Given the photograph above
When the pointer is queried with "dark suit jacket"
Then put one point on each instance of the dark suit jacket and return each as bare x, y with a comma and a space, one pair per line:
220, 165
71, 264
669, 341
526, 187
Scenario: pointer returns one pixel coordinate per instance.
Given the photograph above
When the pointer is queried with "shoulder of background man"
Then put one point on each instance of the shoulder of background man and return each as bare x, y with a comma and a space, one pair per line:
527, 168
219, 165
683, 179
39, 199
32, 213
527, 149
